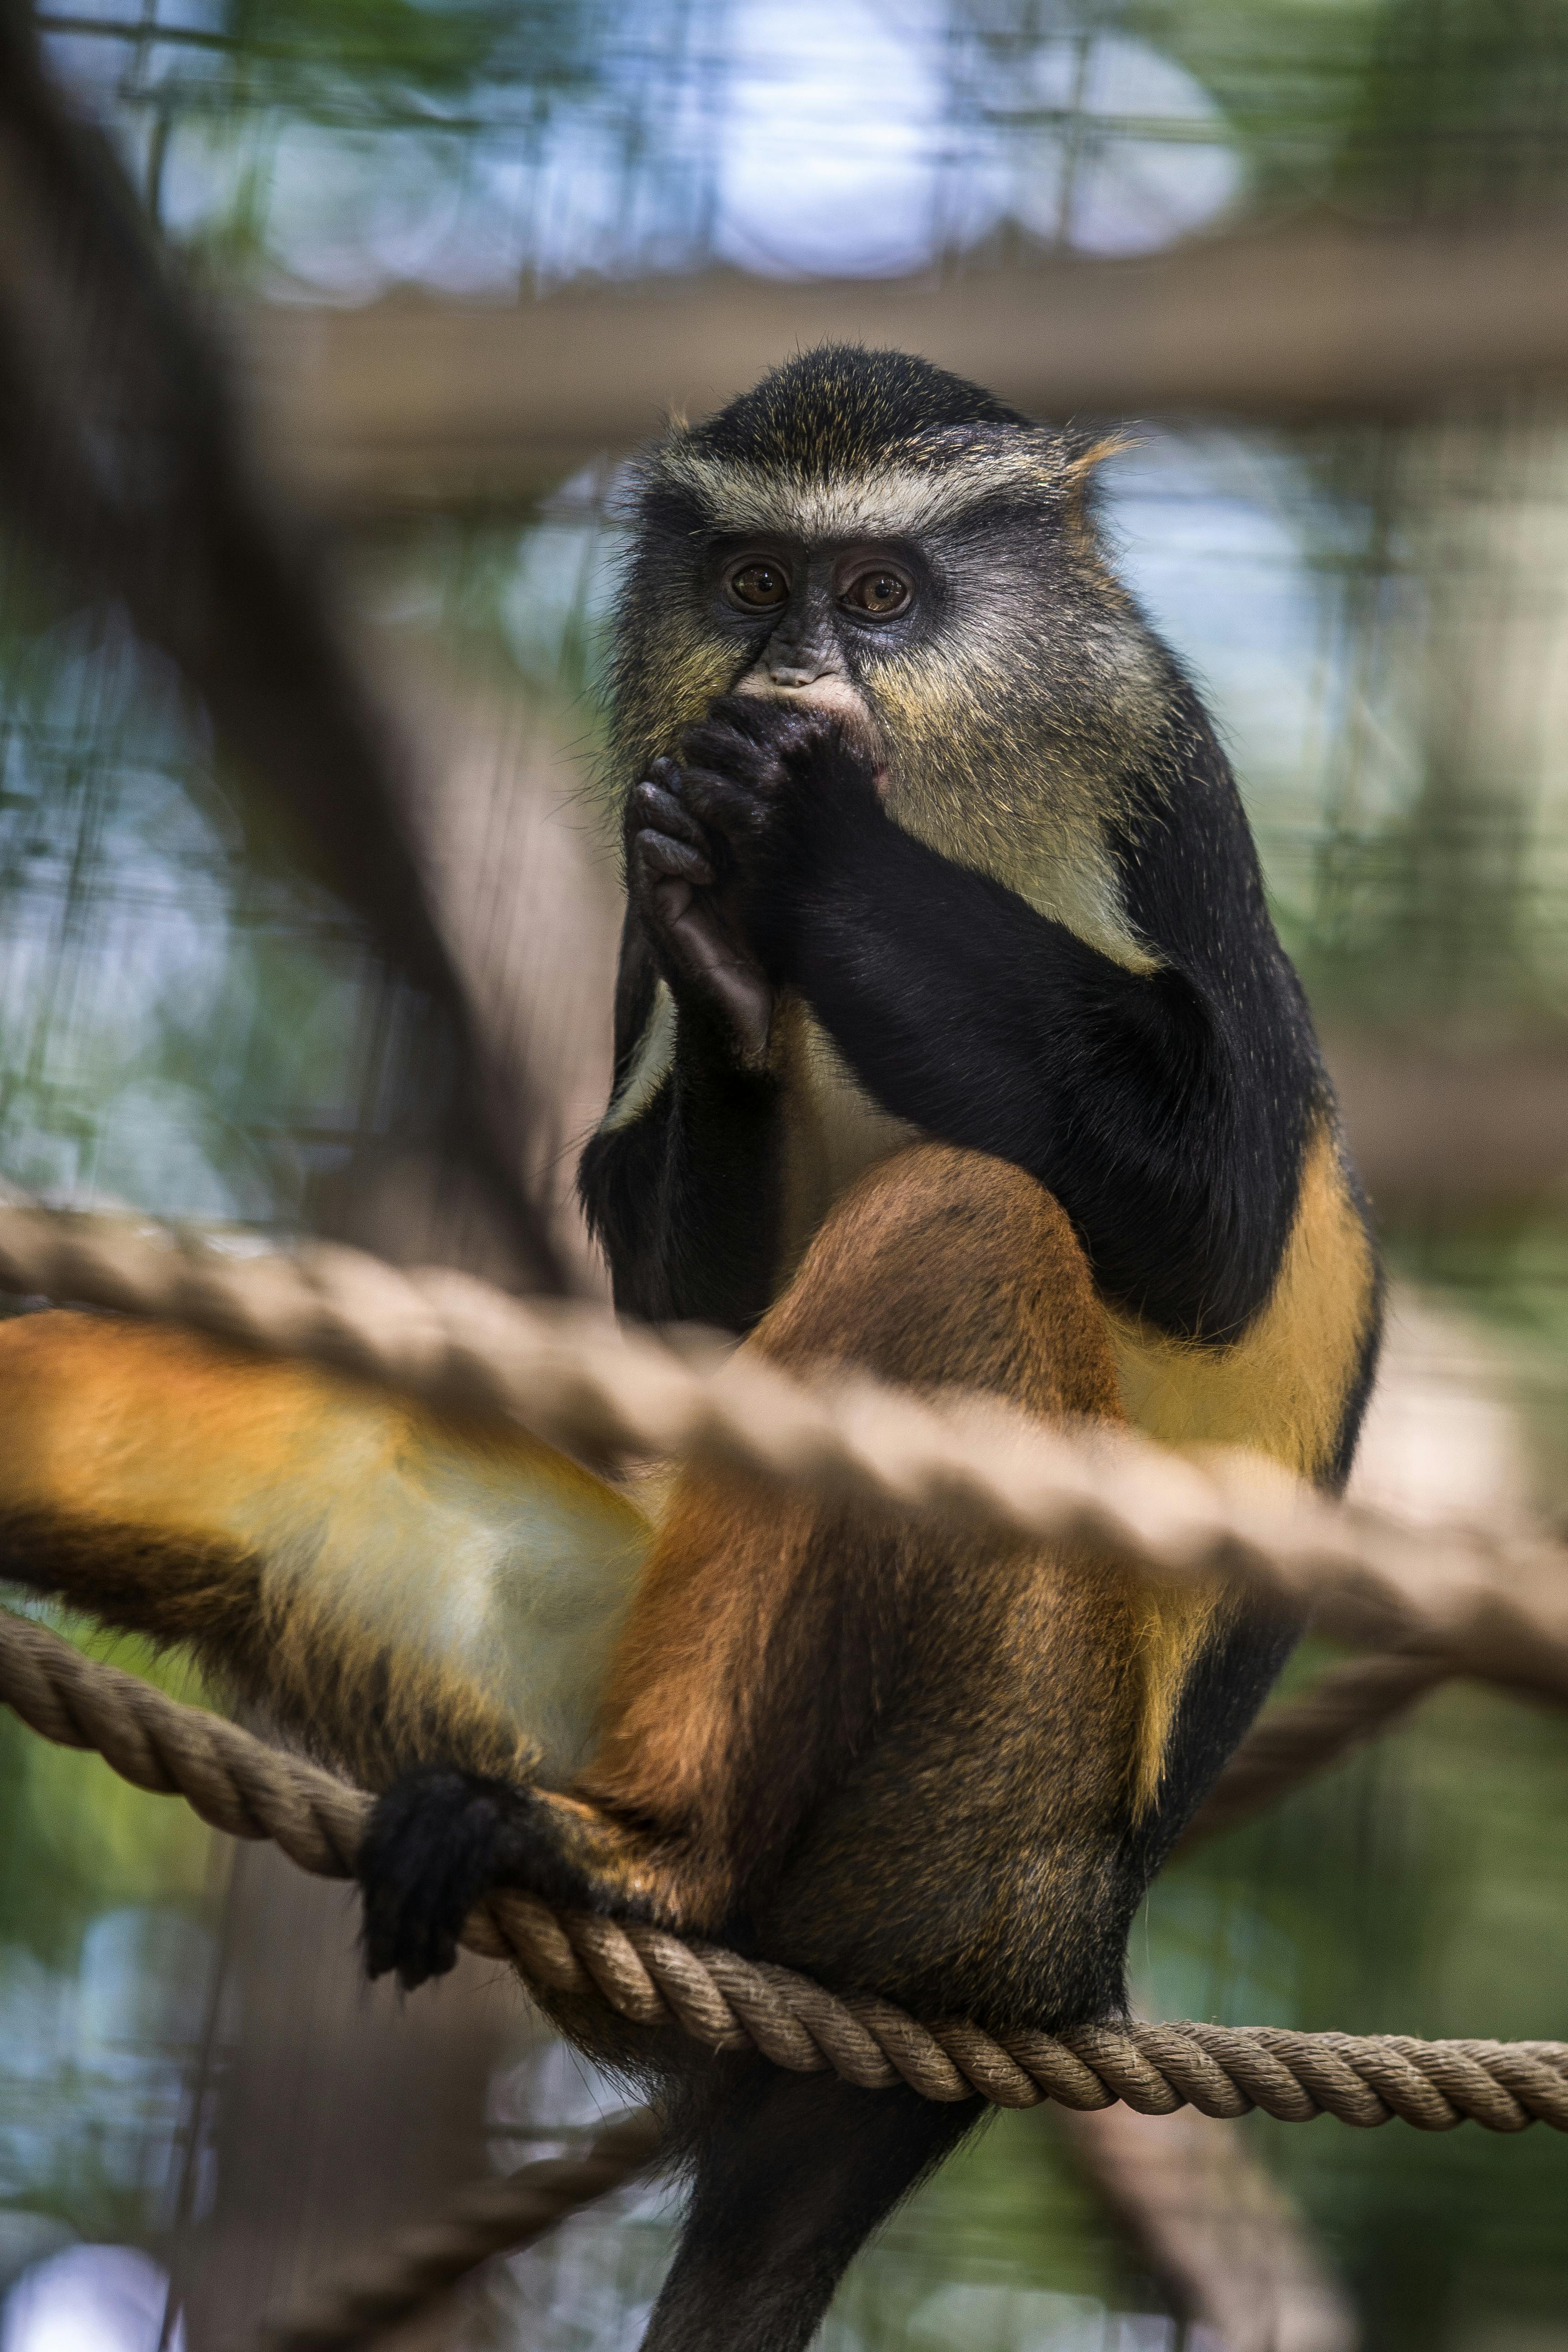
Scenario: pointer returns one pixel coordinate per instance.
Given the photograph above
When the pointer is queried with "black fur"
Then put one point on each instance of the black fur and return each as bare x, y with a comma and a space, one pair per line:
840, 408
1233, 1676
685, 1199
791, 2174
435, 1842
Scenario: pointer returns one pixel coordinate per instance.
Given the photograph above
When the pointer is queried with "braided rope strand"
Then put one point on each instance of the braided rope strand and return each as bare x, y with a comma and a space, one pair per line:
1497, 1604
238, 1784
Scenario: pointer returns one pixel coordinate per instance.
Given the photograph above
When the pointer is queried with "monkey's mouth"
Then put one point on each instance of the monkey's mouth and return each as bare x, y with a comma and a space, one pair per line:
840, 698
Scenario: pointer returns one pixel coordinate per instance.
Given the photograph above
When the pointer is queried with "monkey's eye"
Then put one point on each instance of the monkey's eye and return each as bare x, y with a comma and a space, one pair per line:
881, 594
761, 587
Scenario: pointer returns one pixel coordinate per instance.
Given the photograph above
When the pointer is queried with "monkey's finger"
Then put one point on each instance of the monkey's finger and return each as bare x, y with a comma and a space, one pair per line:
756, 730
713, 742
732, 806
758, 720
396, 1942
659, 811
661, 859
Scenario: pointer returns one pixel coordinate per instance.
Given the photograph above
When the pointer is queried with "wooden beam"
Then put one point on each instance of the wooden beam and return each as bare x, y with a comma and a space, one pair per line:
417, 399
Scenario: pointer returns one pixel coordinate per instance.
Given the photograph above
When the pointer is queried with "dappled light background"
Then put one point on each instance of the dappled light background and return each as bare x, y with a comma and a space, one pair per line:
195, 1023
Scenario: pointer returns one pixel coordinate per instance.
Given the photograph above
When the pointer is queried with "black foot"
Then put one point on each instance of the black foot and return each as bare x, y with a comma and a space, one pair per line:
436, 1844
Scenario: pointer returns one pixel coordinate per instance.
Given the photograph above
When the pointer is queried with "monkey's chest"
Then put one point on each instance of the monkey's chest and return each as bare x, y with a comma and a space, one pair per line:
833, 1129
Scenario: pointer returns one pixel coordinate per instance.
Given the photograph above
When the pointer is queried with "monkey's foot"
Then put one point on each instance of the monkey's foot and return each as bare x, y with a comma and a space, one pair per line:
442, 1839
437, 1844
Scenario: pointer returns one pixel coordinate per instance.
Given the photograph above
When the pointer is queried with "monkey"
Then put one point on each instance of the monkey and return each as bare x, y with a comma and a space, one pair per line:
954, 1044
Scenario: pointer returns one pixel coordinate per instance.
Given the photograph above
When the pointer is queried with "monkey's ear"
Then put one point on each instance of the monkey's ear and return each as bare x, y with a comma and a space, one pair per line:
1087, 451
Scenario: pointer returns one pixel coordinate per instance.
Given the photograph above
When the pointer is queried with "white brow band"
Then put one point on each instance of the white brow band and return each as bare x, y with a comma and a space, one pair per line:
891, 501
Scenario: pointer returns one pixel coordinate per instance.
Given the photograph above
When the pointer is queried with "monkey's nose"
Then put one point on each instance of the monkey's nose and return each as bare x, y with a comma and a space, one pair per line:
801, 672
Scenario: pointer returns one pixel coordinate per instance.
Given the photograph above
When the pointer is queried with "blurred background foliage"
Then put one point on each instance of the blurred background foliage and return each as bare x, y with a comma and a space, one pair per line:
194, 1027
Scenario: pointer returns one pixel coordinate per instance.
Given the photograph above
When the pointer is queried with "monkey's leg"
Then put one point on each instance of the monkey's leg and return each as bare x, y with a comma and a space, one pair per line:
389, 1586
943, 1268
767, 1631
792, 2174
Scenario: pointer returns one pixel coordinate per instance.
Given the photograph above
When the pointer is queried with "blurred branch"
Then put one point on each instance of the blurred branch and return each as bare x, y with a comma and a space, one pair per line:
1346, 1707
406, 2271
527, 892
422, 400
122, 456
1234, 2255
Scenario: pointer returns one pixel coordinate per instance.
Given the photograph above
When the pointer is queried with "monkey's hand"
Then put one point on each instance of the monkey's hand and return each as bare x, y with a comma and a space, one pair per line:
773, 789
680, 881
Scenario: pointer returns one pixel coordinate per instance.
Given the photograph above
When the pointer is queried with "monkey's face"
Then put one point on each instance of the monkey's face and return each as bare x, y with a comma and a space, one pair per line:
811, 621
945, 597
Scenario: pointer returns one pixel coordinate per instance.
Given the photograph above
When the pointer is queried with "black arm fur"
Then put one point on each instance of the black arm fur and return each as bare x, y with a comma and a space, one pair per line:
684, 1197
1167, 1111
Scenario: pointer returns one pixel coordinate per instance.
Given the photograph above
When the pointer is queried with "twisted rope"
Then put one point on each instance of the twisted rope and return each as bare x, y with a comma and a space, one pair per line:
240, 1785
412, 2267
1498, 1605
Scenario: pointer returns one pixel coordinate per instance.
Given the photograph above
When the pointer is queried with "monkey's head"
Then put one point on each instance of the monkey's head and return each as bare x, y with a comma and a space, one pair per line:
866, 533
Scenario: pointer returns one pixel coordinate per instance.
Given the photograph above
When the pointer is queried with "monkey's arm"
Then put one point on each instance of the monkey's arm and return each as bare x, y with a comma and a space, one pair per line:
390, 1587
680, 1181
1168, 1110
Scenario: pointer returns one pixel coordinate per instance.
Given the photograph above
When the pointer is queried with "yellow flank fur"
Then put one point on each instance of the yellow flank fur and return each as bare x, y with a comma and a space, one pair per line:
1279, 1391
1170, 1624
